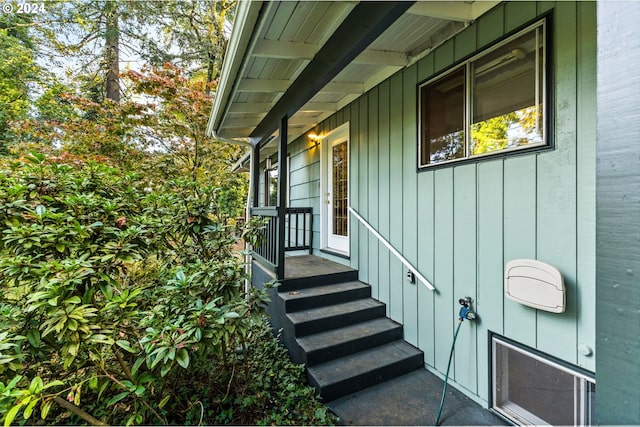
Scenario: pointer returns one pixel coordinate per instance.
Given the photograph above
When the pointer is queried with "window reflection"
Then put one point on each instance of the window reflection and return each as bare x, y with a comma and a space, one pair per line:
443, 128
507, 102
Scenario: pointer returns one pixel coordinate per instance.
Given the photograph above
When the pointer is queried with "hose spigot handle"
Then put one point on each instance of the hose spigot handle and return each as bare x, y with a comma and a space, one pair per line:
465, 311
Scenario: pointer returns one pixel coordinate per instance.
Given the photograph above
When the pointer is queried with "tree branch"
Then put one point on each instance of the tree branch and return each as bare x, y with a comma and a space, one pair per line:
79, 412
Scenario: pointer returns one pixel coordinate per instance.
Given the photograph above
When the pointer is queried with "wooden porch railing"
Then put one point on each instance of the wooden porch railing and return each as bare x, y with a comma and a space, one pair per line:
298, 235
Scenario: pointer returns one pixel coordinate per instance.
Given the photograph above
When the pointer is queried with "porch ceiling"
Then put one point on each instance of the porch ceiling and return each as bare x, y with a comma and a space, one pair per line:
273, 43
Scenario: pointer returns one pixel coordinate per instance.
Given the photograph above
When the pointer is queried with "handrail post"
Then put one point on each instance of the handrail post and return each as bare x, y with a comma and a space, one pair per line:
282, 194
310, 233
256, 175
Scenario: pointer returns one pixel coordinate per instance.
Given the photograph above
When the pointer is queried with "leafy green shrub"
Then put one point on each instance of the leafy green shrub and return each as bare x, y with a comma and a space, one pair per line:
123, 304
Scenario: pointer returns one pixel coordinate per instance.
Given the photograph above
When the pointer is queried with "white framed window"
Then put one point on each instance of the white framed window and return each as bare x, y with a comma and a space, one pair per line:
530, 388
492, 103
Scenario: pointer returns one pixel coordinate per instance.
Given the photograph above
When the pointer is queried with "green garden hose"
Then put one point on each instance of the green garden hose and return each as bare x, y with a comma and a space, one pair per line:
465, 313
446, 377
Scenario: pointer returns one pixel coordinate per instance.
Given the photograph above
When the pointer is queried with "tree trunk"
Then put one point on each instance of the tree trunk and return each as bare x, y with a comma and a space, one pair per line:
112, 55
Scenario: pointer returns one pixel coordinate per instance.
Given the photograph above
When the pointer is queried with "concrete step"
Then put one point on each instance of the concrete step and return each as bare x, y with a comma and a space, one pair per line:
324, 346
321, 319
355, 372
318, 296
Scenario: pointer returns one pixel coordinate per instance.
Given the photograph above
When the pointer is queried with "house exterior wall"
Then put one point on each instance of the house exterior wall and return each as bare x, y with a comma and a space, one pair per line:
618, 215
460, 224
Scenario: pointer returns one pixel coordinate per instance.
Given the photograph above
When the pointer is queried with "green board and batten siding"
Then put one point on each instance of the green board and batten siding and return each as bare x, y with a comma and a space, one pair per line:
460, 224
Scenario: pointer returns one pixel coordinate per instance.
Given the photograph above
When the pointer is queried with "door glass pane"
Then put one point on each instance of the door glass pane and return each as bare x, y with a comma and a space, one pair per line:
339, 157
443, 119
508, 95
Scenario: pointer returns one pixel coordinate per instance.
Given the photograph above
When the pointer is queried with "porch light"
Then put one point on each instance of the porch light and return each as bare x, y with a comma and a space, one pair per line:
314, 140
314, 137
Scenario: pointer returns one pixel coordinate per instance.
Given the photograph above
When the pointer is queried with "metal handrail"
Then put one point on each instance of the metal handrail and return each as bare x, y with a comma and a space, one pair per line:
393, 250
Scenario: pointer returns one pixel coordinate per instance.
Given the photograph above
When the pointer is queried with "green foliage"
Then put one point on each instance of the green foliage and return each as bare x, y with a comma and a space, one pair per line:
124, 304
513, 129
491, 135
17, 70
276, 396
199, 27
162, 134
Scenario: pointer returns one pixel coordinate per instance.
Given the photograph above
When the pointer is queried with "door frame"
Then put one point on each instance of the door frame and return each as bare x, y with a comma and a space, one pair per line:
340, 132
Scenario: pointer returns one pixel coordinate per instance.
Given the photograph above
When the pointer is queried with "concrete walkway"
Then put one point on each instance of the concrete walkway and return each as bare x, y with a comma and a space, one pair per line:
412, 399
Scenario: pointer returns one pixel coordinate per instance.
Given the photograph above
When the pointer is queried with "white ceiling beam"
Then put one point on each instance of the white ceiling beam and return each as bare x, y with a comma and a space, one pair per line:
306, 51
451, 10
348, 99
284, 50
318, 107
250, 107
382, 57
242, 123
237, 132
343, 87
455, 10
263, 85
479, 8
380, 76
251, 123
303, 121
264, 107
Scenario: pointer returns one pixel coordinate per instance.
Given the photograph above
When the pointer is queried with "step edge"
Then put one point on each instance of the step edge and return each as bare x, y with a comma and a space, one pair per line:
389, 327
415, 353
320, 355
360, 284
310, 302
313, 326
406, 363
317, 310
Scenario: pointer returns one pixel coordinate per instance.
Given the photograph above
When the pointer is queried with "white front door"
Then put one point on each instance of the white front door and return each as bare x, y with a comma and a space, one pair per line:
336, 190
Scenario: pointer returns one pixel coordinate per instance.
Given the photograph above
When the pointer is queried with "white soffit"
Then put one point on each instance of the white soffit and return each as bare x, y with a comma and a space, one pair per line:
288, 35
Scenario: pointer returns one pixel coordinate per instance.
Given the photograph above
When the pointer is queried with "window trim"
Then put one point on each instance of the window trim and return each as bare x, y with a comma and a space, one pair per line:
544, 21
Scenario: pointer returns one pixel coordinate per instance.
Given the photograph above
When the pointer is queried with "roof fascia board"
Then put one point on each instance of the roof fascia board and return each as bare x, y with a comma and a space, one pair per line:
241, 36
360, 28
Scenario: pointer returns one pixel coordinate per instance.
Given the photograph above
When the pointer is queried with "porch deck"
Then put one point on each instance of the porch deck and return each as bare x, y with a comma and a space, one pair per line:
303, 266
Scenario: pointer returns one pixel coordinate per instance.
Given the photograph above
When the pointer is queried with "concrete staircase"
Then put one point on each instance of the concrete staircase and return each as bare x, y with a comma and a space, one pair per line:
330, 323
